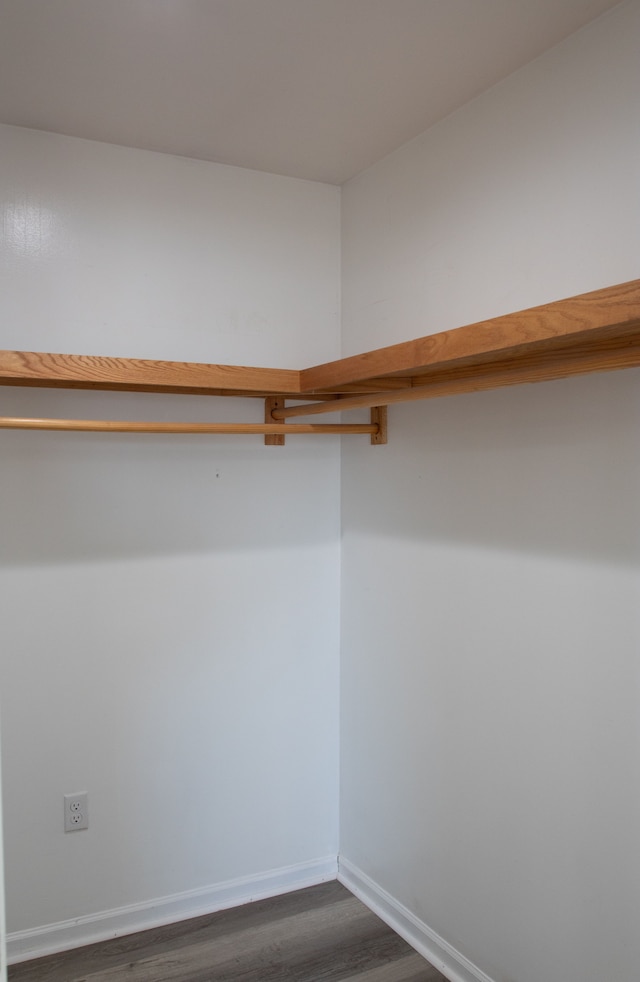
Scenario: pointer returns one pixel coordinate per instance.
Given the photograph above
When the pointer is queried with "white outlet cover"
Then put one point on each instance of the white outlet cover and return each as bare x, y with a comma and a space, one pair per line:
76, 812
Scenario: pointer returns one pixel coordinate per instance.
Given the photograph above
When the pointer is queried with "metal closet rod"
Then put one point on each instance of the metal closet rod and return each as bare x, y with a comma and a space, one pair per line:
128, 426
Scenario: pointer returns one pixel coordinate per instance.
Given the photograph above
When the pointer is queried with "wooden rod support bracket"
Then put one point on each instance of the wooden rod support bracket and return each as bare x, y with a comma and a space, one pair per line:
271, 403
379, 419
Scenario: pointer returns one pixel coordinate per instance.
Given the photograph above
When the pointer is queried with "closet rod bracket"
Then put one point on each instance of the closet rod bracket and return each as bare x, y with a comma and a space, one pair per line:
271, 403
379, 419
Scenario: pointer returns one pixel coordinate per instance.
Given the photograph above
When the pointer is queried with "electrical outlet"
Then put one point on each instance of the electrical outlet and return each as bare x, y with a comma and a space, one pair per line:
76, 812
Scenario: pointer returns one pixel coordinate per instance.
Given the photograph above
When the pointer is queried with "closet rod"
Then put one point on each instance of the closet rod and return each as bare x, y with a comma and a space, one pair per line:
124, 426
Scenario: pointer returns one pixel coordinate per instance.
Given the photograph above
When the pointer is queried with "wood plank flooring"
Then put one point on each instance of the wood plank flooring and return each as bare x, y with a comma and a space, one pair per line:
322, 934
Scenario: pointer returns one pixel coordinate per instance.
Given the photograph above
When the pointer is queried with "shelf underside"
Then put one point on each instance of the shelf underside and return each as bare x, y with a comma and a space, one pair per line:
593, 332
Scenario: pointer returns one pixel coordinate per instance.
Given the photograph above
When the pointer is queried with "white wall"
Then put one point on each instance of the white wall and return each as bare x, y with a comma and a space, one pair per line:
3, 925
490, 681
169, 605
149, 255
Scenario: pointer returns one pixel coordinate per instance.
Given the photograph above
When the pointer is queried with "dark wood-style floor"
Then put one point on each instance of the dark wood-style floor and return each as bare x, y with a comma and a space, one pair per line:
323, 934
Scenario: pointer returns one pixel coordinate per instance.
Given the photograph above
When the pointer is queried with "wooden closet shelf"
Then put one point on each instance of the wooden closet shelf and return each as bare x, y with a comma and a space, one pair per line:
593, 332
36, 368
600, 319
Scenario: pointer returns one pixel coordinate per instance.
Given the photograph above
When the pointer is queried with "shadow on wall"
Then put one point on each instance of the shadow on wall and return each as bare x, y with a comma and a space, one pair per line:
71, 496
552, 468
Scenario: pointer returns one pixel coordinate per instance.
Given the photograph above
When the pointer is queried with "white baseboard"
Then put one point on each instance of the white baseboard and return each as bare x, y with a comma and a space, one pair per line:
47, 940
440, 953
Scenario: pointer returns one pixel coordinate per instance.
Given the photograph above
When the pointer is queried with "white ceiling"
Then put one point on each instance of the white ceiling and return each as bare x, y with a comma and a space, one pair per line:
317, 89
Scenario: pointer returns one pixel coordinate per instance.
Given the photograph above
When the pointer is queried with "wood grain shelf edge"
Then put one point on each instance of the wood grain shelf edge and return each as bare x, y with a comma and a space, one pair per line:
611, 311
596, 331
